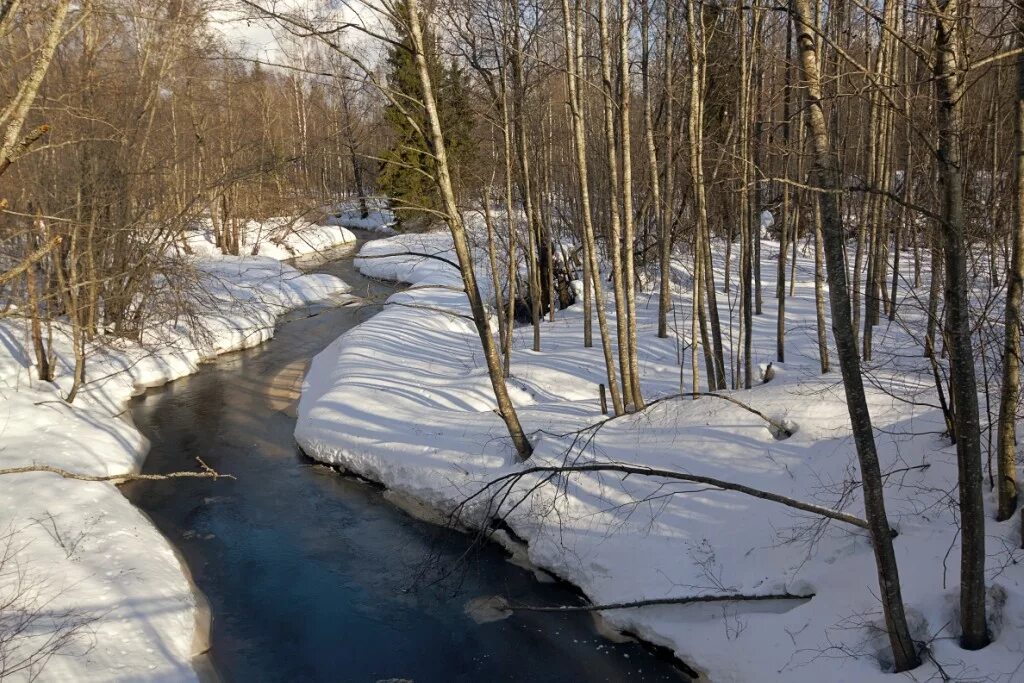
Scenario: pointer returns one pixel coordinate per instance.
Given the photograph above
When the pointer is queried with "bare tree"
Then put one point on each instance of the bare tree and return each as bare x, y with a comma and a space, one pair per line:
949, 101
1010, 397
826, 178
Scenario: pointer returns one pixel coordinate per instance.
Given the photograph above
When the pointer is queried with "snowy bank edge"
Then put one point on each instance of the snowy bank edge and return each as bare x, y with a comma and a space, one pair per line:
184, 640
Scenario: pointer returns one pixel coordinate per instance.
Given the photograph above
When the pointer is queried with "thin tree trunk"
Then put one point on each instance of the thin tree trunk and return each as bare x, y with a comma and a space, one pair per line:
826, 176
526, 183
784, 230
43, 369
628, 229
454, 219
819, 288
574, 62
513, 270
661, 215
492, 258
615, 248
746, 241
948, 94
1007, 440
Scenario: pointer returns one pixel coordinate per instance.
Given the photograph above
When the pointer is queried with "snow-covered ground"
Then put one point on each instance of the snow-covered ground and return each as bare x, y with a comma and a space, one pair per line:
404, 399
277, 238
378, 220
78, 553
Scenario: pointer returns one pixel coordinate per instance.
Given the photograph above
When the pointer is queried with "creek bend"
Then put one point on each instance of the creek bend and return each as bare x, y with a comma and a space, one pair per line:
313, 576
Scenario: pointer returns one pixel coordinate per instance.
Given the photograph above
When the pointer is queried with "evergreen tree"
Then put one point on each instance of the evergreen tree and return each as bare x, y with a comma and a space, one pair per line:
408, 168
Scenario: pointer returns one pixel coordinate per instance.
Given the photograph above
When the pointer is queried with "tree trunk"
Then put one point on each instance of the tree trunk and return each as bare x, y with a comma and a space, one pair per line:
1007, 443
661, 215
513, 263
12, 116
948, 94
628, 230
826, 177
492, 258
784, 229
574, 62
615, 223
526, 180
746, 220
454, 219
819, 288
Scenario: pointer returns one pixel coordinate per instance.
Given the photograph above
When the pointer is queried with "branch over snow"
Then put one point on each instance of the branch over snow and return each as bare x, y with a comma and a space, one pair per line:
435, 309
684, 600
435, 257
627, 469
206, 472
782, 429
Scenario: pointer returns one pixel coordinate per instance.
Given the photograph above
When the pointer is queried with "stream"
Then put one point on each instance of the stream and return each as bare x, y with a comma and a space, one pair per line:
315, 576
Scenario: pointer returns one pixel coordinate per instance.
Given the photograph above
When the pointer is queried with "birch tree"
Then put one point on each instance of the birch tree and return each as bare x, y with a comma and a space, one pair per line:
1007, 438
825, 176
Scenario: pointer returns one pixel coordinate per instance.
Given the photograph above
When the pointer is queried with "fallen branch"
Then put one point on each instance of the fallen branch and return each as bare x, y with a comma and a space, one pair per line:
780, 427
737, 597
680, 476
450, 288
206, 472
433, 309
783, 429
435, 257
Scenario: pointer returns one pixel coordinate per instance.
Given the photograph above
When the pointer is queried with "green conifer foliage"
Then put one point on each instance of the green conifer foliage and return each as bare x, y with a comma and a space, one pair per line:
407, 173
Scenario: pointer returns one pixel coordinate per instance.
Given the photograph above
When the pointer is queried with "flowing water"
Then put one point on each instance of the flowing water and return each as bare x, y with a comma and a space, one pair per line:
313, 576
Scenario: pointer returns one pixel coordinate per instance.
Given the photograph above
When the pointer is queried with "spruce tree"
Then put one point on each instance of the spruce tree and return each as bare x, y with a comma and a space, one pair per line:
408, 168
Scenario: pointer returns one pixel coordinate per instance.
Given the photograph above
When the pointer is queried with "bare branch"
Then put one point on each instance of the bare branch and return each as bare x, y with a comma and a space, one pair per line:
684, 600
206, 472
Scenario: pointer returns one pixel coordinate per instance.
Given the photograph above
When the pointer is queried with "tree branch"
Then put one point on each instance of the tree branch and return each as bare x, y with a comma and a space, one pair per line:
435, 257
206, 472
22, 147
27, 263
642, 470
685, 600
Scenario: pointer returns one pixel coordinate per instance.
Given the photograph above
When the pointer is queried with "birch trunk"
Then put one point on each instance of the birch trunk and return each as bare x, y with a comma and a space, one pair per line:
948, 94
574, 62
454, 219
1007, 443
615, 248
826, 177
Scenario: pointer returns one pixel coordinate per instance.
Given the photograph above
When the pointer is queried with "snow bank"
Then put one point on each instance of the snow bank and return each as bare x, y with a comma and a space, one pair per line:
404, 399
87, 554
277, 238
380, 221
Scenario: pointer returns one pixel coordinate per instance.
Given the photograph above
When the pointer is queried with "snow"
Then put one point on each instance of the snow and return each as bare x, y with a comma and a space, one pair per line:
87, 554
404, 399
278, 238
379, 220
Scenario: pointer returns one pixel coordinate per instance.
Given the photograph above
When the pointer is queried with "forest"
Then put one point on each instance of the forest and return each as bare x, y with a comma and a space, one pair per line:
625, 224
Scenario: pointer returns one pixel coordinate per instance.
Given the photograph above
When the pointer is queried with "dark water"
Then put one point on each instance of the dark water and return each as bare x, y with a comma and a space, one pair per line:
312, 576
